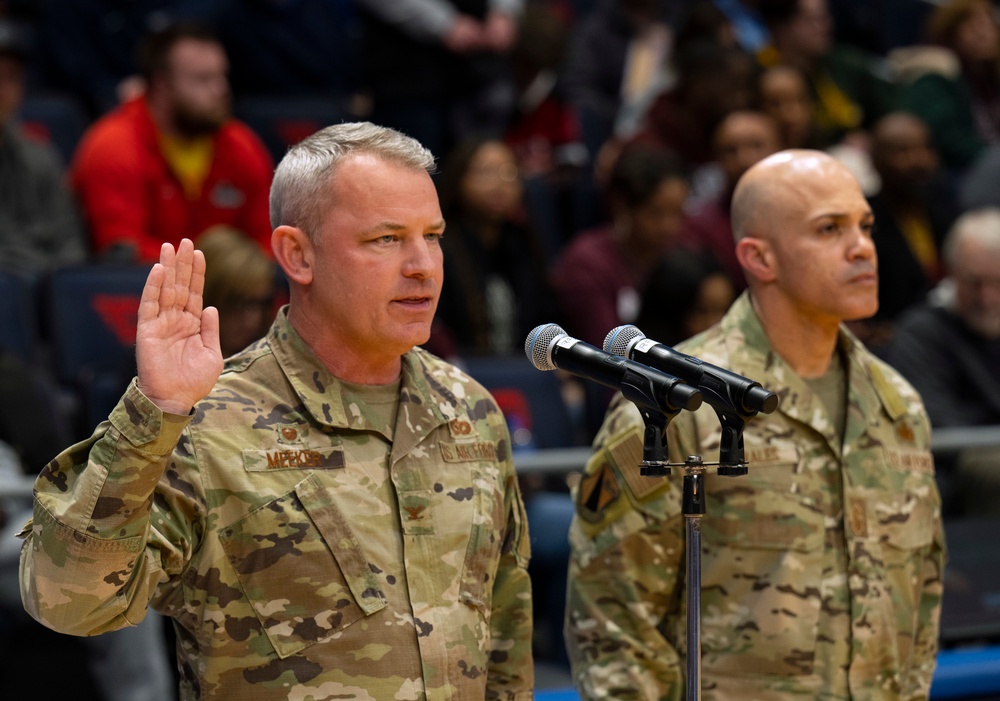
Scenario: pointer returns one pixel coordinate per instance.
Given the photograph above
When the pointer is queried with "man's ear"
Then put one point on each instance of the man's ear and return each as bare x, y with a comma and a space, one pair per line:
294, 251
756, 258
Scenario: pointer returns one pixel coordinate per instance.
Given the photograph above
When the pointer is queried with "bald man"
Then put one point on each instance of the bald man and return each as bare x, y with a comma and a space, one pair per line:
821, 568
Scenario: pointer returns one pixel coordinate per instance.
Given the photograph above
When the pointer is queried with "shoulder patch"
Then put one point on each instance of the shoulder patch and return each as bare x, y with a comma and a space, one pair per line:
626, 454
598, 490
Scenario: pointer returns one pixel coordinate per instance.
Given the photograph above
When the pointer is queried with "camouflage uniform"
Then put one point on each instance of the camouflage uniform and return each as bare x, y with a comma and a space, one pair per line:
301, 554
821, 570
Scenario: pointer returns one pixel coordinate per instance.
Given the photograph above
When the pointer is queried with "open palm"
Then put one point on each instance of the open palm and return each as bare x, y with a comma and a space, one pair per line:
177, 342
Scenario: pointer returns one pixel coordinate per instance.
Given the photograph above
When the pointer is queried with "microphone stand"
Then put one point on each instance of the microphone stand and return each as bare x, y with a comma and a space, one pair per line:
656, 464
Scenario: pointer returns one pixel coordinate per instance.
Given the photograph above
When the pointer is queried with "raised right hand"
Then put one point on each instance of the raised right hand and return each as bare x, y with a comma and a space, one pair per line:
177, 342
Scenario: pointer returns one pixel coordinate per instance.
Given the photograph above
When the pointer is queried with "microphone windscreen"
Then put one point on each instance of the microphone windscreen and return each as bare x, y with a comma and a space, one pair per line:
620, 339
538, 344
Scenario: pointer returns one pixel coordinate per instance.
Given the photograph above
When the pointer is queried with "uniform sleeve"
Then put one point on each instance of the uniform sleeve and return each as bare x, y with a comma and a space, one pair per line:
625, 578
511, 671
92, 556
931, 579
925, 646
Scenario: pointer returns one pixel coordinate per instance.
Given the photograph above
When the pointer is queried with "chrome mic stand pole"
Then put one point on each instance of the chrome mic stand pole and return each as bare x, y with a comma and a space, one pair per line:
694, 510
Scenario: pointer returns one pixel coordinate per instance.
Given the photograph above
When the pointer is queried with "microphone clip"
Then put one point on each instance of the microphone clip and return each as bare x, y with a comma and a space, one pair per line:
655, 461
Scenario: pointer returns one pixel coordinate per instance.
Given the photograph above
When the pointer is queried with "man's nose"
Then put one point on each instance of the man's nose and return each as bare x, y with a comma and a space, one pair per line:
422, 260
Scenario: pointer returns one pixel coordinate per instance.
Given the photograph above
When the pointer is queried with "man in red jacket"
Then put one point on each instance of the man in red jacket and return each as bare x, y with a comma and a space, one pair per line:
172, 163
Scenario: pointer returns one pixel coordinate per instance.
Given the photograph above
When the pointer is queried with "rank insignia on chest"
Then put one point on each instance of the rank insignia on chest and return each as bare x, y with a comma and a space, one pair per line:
461, 428
289, 434
598, 491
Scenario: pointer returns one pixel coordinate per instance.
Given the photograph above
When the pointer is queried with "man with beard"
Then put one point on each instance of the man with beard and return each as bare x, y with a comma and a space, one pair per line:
172, 163
821, 568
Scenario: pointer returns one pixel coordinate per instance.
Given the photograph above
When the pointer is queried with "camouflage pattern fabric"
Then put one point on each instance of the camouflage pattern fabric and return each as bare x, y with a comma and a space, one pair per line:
821, 569
300, 553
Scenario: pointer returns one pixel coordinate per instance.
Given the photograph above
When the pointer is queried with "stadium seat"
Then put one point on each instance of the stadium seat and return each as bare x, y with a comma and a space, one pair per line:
57, 119
530, 399
18, 319
92, 314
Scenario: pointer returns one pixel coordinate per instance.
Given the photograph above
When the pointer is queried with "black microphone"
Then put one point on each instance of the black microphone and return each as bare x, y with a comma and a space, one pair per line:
723, 389
549, 347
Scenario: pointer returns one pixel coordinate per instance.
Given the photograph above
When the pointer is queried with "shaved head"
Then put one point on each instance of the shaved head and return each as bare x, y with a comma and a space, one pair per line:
777, 186
803, 231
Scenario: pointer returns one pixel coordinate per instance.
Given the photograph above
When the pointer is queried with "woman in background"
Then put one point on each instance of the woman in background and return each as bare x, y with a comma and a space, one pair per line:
494, 288
687, 293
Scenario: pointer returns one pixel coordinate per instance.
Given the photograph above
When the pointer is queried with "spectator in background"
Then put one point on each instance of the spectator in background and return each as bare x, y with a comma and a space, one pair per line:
913, 212
172, 163
699, 22
39, 226
741, 139
617, 52
846, 86
494, 288
949, 348
240, 283
954, 84
545, 130
784, 95
601, 274
687, 293
713, 80
438, 69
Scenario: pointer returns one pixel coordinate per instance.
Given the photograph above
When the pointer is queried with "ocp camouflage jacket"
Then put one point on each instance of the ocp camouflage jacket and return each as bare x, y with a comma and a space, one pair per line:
300, 552
821, 568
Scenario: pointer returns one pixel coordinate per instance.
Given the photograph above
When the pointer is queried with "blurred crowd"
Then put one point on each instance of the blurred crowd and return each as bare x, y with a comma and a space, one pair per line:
587, 151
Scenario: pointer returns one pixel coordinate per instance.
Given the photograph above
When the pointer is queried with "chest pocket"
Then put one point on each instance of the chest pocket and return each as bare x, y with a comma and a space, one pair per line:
761, 569
898, 548
468, 518
485, 539
301, 568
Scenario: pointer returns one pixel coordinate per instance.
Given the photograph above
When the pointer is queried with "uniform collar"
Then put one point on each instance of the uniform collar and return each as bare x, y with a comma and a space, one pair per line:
425, 403
868, 390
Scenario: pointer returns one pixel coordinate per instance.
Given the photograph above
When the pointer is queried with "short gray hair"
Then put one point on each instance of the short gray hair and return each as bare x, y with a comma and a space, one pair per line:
297, 191
980, 225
